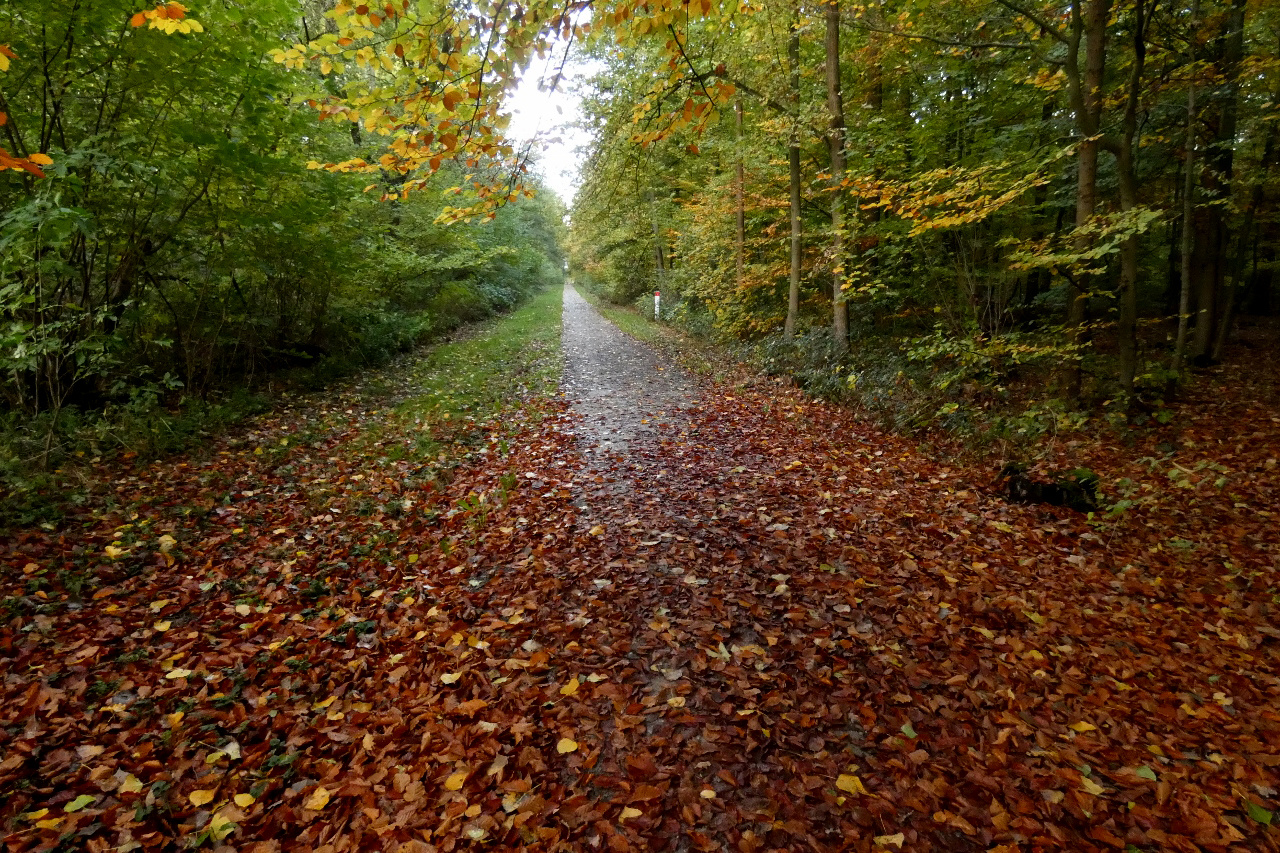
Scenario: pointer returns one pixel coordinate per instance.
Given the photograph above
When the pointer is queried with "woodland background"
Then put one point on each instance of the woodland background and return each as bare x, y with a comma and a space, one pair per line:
985, 216
166, 252
997, 218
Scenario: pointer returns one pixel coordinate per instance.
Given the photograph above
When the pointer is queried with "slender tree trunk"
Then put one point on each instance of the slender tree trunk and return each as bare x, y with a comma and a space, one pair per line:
1211, 245
793, 164
659, 257
836, 142
1128, 324
739, 201
1188, 217
1088, 22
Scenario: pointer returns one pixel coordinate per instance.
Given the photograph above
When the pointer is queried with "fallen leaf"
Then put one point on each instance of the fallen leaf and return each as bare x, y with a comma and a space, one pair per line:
629, 812
202, 796
244, 800
897, 839
450, 677
566, 745
1091, 787
456, 781
318, 800
1083, 727
850, 784
220, 826
79, 803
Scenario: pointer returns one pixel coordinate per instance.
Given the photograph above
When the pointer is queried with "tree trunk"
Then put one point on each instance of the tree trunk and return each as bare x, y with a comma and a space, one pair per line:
1127, 330
836, 142
659, 257
793, 164
1088, 22
1188, 217
1211, 233
740, 224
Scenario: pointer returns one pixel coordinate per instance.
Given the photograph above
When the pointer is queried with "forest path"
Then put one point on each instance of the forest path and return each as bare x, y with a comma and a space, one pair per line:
623, 389
651, 615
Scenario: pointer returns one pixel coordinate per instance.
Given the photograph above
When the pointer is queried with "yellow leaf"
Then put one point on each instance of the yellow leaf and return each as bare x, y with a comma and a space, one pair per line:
49, 823
201, 797
896, 840
113, 552
456, 781
707, 794
163, 626
41, 159
319, 799
628, 812
131, 784
35, 815
597, 530
850, 784
450, 677
1091, 787
571, 688
566, 745
174, 718
1083, 727
179, 672
220, 826
243, 610
244, 800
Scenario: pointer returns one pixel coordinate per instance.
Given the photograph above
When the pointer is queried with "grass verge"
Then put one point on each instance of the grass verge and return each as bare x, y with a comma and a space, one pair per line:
491, 366
443, 395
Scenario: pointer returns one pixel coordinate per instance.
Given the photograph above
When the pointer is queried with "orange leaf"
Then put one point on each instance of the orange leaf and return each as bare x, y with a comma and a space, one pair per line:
176, 11
201, 797
138, 20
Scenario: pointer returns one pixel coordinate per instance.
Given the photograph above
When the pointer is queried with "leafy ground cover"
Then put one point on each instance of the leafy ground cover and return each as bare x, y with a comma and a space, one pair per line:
776, 628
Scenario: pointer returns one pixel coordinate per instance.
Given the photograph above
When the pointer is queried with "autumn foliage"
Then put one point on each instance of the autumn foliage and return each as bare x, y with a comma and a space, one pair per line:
776, 628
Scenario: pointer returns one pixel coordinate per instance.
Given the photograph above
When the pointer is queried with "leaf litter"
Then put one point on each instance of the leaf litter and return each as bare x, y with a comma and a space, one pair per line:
875, 652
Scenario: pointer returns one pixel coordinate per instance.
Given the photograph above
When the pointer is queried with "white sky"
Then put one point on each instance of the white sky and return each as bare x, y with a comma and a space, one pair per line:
545, 117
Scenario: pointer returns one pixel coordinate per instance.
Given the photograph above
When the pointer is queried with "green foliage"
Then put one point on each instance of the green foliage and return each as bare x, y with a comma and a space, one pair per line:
180, 246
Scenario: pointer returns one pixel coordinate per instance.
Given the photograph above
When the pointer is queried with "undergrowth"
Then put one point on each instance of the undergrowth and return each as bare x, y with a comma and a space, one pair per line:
51, 463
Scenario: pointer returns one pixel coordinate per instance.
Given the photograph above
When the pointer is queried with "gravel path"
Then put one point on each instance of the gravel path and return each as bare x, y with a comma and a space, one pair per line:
623, 389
